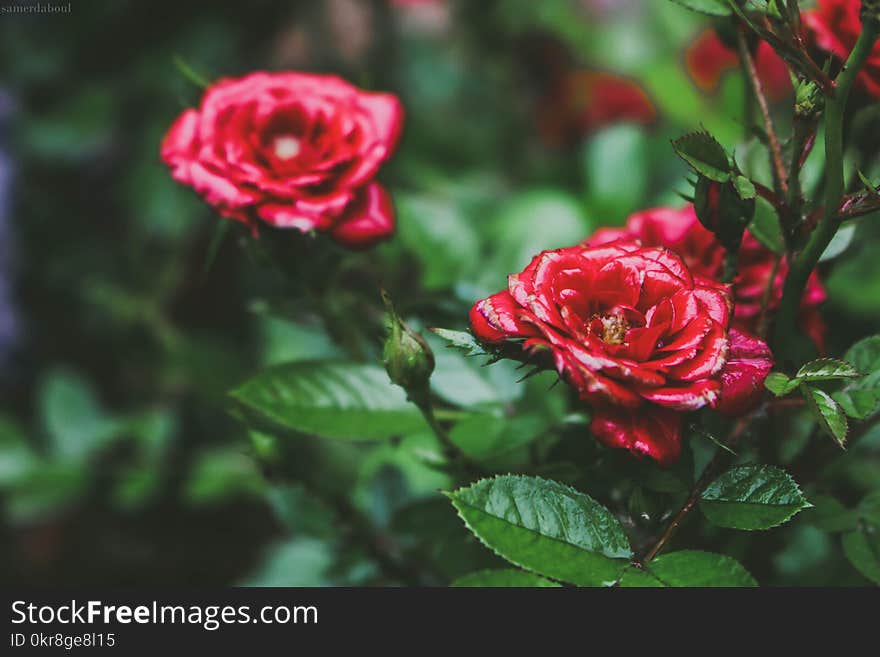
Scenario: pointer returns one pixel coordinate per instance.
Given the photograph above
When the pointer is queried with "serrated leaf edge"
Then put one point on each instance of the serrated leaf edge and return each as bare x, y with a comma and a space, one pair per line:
806, 503
455, 503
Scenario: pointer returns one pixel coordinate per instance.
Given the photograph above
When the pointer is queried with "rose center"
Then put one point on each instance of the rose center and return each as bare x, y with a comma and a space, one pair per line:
611, 328
286, 146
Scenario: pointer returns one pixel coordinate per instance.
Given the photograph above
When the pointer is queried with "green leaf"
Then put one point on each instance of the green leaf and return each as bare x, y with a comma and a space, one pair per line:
545, 527
461, 340
829, 515
869, 186
841, 241
861, 397
745, 188
858, 404
865, 354
862, 549
689, 568
827, 412
765, 226
710, 7
703, 152
869, 508
331, 400
826, 369
220, 474
73, 419
511, 232
439, 234
779, 384
486, 435
503, 578
752, 497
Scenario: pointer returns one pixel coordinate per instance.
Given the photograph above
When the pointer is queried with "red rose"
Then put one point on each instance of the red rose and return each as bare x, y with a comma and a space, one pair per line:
294, 150
708, 58
681, 231
835, 25
638, 336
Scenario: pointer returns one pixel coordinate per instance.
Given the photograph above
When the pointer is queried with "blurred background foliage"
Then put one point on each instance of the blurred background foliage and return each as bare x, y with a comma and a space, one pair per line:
131, 312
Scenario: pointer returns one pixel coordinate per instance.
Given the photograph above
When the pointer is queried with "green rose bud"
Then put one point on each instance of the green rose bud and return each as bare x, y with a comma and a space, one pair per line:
808, 99
408, 359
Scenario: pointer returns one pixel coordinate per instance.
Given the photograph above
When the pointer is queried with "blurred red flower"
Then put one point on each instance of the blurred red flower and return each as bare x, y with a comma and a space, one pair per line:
581, 102
835, 25
708, 58
681, 231
636, 334
293, 150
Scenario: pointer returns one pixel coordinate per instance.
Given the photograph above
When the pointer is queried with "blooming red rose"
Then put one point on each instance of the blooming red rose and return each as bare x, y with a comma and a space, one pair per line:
681, 231
708, 58
582, 102
293, 150
636, 333
835, 26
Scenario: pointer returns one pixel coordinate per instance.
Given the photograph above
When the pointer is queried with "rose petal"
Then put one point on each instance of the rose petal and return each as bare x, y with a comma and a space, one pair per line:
648, 431
369, 219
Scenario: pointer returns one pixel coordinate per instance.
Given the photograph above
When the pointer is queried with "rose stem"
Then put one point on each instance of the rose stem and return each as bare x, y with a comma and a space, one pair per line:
835, 107
708, 475
752, 74
422, 399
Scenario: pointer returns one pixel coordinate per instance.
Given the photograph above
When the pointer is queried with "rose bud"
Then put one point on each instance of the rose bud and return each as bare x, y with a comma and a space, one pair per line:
291, 150
639, 337
721, 210
408, 359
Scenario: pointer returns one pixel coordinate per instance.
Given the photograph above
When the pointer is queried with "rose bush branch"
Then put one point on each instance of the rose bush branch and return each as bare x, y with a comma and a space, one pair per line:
748, 64
709, 473
807, 260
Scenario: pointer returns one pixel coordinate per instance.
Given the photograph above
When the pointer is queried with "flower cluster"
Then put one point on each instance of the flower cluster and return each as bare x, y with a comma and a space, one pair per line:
681, 231
293, 150
639, 336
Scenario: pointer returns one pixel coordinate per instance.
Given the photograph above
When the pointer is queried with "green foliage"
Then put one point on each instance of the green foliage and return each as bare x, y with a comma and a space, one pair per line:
504, 578
705, 155
765, 227
779, 384
827, 369
828, 412
545, 527
752, 497
461, 340
689, 568
140, 308
862, 549
330, 399
710, 7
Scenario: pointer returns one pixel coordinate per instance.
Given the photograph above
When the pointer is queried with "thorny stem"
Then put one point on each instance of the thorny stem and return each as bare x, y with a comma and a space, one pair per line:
835, 107
707, 477
752, 74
